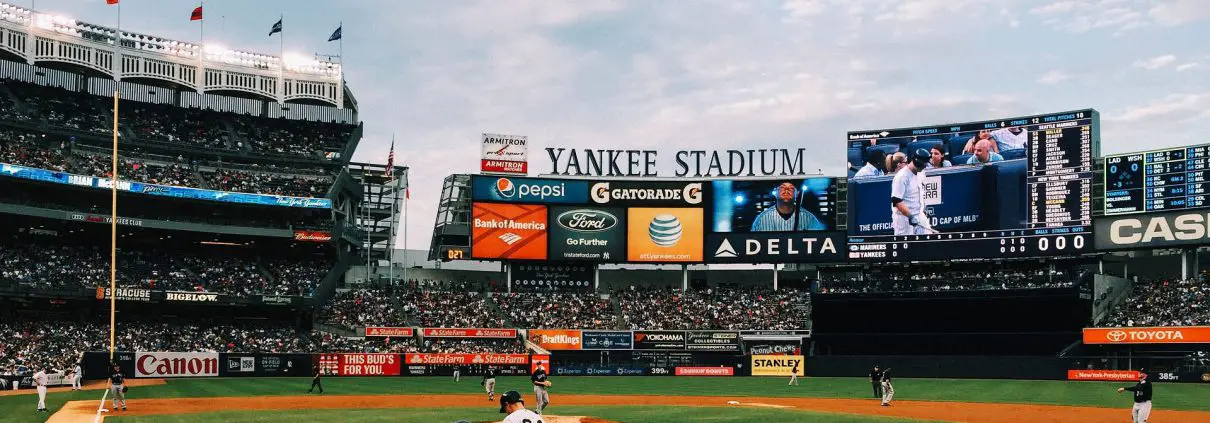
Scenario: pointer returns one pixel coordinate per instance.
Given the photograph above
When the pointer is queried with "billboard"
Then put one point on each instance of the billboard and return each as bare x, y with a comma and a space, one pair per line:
773, 205
468, 333
1148, 335
777, 365
804, 247
711, 341
556, 339
705, 371
504, 154
508, 231
466, 359
606, 340
1104, 375
663, 235
659, 340
649, 193
552, 276
1016, 187
359, 364
172, 364
587, 233
389, 331
507, 189
1153, 230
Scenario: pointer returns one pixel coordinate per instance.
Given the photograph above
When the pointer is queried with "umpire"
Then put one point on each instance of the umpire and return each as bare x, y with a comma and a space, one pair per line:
876, 382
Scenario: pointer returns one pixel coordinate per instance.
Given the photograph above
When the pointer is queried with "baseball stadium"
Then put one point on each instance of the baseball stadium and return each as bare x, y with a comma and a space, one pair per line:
187, 238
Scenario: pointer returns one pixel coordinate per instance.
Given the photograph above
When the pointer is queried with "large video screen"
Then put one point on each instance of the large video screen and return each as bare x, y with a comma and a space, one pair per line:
773, 205
1158, 180
1014, 187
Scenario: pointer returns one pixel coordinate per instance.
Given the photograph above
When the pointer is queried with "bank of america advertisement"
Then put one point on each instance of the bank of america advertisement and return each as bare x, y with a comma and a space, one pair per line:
508, 231
588, 233
664, 235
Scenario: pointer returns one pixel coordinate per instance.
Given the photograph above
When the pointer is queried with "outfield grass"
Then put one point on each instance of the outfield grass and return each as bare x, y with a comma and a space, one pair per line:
1175, 396
629, 414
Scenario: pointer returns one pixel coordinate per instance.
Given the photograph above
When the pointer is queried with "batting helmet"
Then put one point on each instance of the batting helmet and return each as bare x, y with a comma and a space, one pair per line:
920, 158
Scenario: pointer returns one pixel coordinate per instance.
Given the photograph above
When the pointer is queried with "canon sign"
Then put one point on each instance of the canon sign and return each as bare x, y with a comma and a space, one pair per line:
160, 364
1153, 230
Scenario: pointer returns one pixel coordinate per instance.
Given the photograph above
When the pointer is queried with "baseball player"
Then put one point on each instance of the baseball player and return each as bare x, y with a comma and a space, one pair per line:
876, 382
77, 374
1142, 398
512, 404
315, 380
888, 391
786, 215
794, 375
457, 372
40, 380
489, 382
117, 387
540, 384
907, 205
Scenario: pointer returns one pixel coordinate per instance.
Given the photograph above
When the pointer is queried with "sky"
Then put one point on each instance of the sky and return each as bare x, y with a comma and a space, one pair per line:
715, 74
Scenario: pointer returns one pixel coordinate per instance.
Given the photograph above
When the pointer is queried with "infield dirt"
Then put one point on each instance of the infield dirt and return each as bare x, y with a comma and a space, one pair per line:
82, 411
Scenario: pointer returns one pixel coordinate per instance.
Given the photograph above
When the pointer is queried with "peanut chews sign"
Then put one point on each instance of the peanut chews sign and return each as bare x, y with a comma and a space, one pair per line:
1148, 335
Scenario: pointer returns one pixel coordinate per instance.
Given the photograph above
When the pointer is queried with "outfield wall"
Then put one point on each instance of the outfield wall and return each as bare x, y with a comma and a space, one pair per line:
957, 367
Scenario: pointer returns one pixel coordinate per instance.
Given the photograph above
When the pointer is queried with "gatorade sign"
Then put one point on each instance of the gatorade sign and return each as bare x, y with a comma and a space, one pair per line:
777, 365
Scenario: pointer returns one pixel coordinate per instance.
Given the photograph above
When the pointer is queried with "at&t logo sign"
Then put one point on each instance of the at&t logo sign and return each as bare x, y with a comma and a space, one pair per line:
665, 230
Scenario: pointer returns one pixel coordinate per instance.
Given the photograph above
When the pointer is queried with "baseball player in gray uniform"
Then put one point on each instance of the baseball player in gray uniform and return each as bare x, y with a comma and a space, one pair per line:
540, 384
907, 205
117, 387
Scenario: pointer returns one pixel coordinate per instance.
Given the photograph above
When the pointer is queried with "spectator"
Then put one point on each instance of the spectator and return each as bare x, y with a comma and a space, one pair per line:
1165, 303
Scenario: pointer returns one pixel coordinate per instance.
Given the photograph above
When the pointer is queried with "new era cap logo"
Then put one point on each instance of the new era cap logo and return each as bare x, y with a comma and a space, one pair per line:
510, 238
725, 250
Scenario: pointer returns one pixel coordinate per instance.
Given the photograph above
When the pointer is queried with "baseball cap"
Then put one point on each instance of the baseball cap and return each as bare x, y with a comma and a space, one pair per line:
511, 397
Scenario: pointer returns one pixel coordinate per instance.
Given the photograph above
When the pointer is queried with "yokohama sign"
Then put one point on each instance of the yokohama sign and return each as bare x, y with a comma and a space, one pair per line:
388, 331
469, 333
162, 364
1153, 335
466, 359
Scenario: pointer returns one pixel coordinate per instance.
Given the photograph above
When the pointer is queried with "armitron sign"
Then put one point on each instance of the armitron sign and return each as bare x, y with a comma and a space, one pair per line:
1148, 335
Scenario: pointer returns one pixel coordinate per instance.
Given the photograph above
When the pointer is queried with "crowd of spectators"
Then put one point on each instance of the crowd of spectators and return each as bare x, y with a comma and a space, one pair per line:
717, 308
329, 343
438, 309
64, 109
558, 310
24, 148
1165, 303
136, 169
925, 279
70, 267
474, 346
268, 183
356, 308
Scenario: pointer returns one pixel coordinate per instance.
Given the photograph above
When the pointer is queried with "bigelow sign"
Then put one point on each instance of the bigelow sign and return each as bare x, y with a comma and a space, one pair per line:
691, 163
1152, 230
165, 364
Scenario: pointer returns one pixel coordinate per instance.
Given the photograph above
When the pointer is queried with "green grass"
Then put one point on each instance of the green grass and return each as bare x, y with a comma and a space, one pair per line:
1174, 396
629, 414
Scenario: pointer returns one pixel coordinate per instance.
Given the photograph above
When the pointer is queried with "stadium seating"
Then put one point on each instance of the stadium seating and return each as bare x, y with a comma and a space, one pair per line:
1165, 303
717, 308
362, 307
965, 278
557, 310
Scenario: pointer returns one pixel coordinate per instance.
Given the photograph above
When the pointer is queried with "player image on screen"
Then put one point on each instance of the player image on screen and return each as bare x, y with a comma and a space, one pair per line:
773, 205
907, 204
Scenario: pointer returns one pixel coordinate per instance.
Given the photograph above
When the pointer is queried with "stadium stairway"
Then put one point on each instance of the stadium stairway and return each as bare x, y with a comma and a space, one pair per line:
618, 321
494, 308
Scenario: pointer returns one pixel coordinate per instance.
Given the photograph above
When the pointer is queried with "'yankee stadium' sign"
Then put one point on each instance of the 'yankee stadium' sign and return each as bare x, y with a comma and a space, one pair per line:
694, 163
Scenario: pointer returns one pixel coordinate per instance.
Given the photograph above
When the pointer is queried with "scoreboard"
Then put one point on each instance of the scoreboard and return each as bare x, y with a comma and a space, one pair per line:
1059, 175
1170, 179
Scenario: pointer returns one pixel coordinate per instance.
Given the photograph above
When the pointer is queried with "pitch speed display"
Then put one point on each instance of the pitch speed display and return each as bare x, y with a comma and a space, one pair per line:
1171, 179
1016, 187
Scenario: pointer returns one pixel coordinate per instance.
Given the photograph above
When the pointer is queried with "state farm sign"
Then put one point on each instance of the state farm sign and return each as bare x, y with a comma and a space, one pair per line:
388, 331
469, 333
163, 364
1148, 335
465, 359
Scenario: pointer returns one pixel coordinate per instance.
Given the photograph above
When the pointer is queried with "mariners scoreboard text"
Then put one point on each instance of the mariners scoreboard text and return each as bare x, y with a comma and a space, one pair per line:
1170, 179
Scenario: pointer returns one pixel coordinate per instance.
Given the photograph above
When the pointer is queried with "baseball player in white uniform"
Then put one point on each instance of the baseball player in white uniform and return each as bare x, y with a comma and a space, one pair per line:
40, 381
888, 391
512, 404
457, 372
77, 374
907, 204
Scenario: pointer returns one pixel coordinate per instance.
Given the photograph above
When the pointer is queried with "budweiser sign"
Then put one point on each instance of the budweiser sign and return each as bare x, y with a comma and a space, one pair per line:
467, 359
469, 333
161, 364
312, 236
388, 331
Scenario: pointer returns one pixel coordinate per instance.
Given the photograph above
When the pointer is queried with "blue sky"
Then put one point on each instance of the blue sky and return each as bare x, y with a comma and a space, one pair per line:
716, 74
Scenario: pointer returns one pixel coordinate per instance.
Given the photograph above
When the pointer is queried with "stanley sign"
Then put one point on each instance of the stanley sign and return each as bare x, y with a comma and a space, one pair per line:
777, 365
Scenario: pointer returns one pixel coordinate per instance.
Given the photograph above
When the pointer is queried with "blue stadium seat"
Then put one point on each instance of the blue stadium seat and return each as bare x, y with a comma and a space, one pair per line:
889, 149
856, 159
925, 144
1016, 153
960, 159
957, 144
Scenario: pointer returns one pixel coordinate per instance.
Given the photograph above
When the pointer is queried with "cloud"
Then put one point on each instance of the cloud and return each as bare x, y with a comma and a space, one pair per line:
800, 9
1155, 62
1186, 66
1179, 12
1172, 108
1053, 77
1079, 16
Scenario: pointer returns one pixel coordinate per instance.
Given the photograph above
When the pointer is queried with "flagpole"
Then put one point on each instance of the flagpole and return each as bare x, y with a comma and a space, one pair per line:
113, 233
117, 72
281, 70
394, 219
406, 199
202, 34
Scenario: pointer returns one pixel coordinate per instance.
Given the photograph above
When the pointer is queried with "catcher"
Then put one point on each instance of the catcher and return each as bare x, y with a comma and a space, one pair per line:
540, 385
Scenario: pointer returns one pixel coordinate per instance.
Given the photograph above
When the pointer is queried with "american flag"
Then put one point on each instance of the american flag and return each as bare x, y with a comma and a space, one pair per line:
391, 162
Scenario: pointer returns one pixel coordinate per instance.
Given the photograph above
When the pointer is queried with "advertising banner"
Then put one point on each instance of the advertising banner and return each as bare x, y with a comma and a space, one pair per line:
466, 359
195, 297
588, 233
44, 175
359, 364
805, 247
774, 348
125, 294
508, 189
777, 365
240, 364
312, 236
1104, 375
663, 235
649, 193
711, 341
600, 371
539, 361
1148, 335
659, 340
705, 371
555, 339
607, 340
389, 331
504, 154
508, 231
1152, 230
284, 364
96, 218
281, 300
468, 333
552, 276
169, 364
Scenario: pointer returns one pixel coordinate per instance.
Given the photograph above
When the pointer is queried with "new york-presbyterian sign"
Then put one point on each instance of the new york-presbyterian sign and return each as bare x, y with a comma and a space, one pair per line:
688, 163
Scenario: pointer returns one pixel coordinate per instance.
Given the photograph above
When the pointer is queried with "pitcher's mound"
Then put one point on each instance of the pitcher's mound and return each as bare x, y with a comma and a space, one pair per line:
570, 419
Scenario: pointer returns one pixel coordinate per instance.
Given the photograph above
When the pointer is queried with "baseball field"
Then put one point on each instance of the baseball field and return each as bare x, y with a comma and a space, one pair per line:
617, 399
